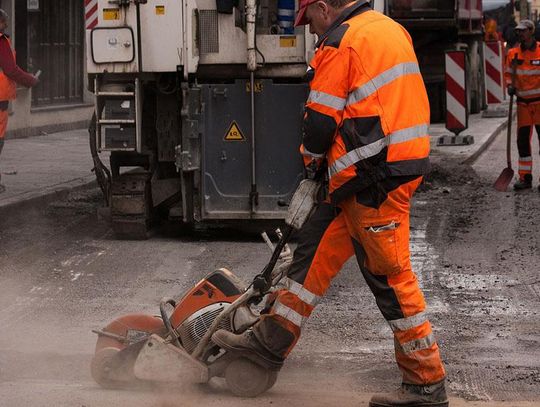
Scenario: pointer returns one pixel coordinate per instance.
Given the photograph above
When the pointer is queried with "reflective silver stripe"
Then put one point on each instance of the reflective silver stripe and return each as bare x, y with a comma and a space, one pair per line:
403, 135
407, 323
369, 150
299, 290
314, 155
528, 71
289, 314
525, 159
528, 92
382, 79
358, 154
285, 23
285, 12
525, 167
326, 99
418, 344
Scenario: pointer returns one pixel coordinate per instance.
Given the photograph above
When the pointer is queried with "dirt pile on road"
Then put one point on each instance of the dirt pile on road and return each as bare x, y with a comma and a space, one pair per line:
446, 173
79, 202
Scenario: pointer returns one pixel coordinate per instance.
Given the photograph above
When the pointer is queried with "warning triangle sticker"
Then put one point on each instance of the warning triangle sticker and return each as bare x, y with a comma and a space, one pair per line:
234, 133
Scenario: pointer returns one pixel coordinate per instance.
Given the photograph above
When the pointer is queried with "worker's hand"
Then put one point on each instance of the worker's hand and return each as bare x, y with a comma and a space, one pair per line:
315, 170
511, 90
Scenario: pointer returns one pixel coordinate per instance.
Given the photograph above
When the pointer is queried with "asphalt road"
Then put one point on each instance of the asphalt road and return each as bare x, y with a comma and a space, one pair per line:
475, 250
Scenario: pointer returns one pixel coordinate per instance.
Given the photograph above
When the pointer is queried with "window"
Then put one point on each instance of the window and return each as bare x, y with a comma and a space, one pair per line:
55, 44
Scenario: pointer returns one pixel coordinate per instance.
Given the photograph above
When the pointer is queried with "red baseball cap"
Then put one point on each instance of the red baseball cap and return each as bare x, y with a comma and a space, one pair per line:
301, 16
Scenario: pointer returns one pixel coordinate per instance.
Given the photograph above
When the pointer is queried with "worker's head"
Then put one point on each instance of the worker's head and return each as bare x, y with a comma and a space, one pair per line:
3, 20
320, 14
525, 31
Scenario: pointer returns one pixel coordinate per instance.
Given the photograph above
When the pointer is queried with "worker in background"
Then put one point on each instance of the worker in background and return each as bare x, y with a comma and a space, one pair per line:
10, 76
525, 60
537, 31
490, 30
509, 32
367, 117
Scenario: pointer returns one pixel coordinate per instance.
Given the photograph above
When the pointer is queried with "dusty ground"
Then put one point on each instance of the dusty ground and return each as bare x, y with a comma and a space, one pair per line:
476, 252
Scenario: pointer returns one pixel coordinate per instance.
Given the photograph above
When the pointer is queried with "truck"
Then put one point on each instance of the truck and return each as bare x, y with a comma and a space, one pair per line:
437, 26
199, 104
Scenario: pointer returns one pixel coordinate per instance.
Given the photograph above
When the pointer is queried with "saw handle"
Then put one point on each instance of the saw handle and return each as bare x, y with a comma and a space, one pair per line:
167, 321
263, 281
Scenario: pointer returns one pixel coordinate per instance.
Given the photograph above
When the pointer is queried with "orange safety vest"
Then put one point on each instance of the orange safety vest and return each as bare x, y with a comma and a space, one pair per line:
367, 111
527, 81
8, 88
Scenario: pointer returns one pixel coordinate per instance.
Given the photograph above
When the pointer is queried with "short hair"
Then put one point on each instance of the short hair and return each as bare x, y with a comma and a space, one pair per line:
338, 3
3, 15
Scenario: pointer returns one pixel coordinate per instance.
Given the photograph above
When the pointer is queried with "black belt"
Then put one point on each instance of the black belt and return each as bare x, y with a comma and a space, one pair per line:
526, 101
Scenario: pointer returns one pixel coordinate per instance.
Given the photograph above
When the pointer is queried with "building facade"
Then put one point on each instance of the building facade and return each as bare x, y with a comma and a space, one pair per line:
48, 36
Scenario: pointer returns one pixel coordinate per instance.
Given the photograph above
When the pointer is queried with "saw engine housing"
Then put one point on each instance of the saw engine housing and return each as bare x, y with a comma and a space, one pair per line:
195, 312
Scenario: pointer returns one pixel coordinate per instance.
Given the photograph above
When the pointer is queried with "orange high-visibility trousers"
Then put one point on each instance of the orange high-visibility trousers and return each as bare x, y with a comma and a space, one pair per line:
528, 115
3, 126
380, 240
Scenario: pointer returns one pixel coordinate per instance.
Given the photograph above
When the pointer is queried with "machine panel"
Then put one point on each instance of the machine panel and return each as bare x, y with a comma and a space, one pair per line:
111, 45
161, 35
227, 148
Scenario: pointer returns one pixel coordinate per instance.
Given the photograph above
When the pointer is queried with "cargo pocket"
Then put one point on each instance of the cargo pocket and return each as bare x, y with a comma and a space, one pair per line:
386, 245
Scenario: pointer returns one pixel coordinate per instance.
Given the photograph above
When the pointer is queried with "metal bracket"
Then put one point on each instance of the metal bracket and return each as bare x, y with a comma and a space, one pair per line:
188, 154
459, 140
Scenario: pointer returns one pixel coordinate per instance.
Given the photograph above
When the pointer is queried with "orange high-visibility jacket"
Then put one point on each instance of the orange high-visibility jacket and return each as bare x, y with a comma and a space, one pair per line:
8, 88
527, 62
367, 111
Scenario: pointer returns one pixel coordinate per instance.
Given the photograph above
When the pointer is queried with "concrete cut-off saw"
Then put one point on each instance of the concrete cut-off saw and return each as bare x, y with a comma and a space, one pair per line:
174, 348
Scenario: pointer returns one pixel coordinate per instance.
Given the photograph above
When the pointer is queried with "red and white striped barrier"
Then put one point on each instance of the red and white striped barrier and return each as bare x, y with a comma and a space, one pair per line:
470, 9
493, 57
90, 13
457, 112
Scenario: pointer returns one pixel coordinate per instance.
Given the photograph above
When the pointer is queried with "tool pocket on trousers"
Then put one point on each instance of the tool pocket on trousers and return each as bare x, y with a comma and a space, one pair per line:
386, 246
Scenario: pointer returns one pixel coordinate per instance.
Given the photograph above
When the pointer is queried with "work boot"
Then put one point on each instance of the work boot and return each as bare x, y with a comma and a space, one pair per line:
412, 395
524, 183
247, 345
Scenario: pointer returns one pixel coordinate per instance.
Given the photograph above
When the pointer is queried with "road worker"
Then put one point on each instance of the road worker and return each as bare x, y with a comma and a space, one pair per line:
524, 59
367, 118
10, 76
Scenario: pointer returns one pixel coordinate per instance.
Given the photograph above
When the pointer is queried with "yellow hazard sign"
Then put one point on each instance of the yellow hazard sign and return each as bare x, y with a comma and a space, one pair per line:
111, 14
160, 10
287, 41
258, 86
234, 133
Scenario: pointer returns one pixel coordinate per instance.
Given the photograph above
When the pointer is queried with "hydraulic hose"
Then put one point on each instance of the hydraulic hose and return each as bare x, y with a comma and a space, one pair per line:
103, 175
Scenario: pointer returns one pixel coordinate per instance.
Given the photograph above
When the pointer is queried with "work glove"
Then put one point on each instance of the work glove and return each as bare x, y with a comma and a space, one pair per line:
315, 170
511, 90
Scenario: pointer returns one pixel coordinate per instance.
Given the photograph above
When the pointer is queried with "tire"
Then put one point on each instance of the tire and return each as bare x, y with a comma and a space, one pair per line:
271, 380
103, 369
248, 379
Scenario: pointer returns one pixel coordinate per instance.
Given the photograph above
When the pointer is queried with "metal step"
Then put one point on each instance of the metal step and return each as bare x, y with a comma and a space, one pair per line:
119, 94
116, 121
100, 100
